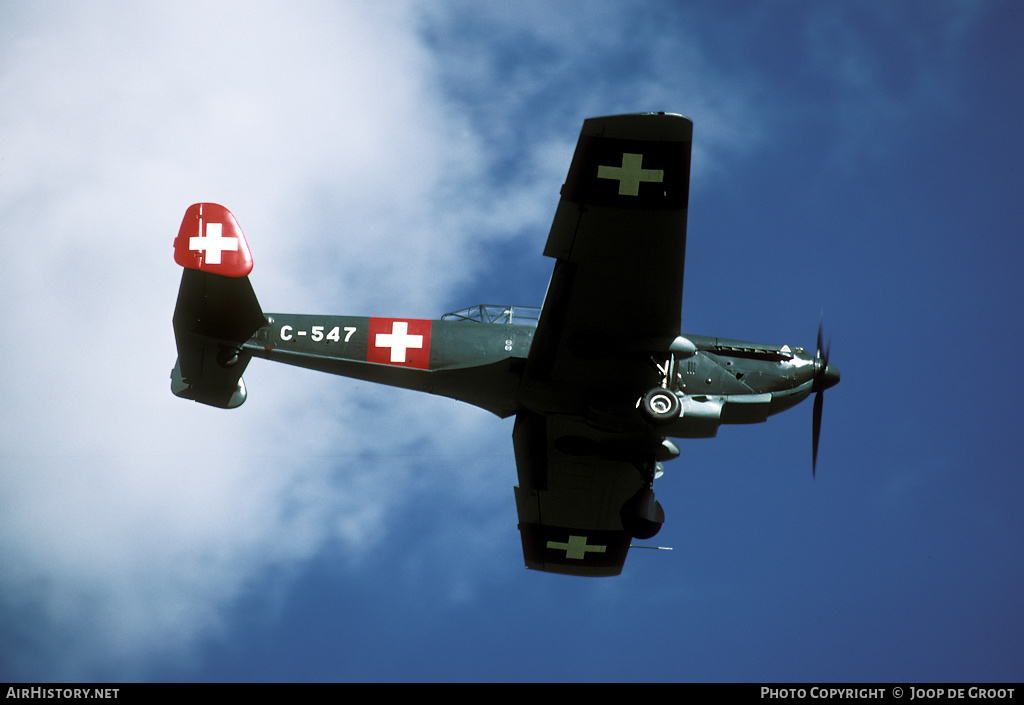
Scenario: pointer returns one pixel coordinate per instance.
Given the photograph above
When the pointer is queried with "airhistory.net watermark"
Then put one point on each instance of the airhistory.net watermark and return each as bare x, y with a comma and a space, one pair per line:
62, 693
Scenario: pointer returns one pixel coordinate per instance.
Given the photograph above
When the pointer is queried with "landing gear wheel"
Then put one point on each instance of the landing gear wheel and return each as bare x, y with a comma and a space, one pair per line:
660, 406
228, 357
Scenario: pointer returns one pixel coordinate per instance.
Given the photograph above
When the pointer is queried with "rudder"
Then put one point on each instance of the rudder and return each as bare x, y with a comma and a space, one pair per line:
216, 310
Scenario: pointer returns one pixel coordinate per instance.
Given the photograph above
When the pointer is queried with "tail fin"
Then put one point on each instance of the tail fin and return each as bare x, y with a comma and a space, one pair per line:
217, 310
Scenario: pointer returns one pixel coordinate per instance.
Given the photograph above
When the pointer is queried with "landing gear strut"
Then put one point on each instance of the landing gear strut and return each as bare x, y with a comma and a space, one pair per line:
660, 406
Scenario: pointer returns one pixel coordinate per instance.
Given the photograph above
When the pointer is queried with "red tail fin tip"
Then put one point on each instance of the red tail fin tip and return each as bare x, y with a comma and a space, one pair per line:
211, 240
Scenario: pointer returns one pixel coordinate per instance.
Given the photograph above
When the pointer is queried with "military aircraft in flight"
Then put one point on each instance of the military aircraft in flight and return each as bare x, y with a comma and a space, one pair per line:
600, 378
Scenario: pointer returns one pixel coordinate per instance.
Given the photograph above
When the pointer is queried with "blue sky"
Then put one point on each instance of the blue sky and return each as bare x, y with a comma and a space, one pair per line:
857, 159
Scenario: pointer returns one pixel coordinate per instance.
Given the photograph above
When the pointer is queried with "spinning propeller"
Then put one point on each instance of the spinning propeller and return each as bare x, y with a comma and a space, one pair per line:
825, 376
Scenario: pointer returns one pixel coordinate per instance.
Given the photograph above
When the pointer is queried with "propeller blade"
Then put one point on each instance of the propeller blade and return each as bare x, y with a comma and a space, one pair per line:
816, 431
824, 377
823, 347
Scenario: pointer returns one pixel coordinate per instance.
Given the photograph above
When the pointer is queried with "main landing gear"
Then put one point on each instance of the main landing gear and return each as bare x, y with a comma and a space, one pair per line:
660, 406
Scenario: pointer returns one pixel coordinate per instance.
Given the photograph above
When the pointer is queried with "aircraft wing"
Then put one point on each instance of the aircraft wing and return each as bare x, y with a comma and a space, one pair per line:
614, 300
619, 241
569, 496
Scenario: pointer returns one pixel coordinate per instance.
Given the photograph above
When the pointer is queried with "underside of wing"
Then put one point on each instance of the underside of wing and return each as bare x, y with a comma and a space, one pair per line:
586, 457
574, 482
619, 240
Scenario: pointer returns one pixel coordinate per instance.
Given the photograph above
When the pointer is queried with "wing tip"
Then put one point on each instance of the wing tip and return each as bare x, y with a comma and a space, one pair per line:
660, 126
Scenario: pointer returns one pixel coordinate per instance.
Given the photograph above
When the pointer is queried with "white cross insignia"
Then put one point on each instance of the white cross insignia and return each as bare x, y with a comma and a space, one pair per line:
630, 174
213, 244
398, 340
576, 547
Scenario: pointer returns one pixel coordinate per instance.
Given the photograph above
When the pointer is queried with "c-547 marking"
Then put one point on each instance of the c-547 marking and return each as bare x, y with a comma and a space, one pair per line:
316, 333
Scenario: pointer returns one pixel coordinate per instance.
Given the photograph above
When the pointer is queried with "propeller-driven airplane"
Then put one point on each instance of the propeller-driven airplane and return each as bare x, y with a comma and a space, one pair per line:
600, 378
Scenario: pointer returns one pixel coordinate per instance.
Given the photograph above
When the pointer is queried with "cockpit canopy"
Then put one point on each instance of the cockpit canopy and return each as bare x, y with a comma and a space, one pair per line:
491, 313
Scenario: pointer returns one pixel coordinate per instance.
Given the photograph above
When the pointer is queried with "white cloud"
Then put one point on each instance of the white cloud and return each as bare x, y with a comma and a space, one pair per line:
130, 520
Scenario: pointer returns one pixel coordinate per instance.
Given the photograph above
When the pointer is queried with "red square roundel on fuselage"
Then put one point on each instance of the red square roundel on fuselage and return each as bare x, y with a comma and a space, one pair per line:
399, 341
